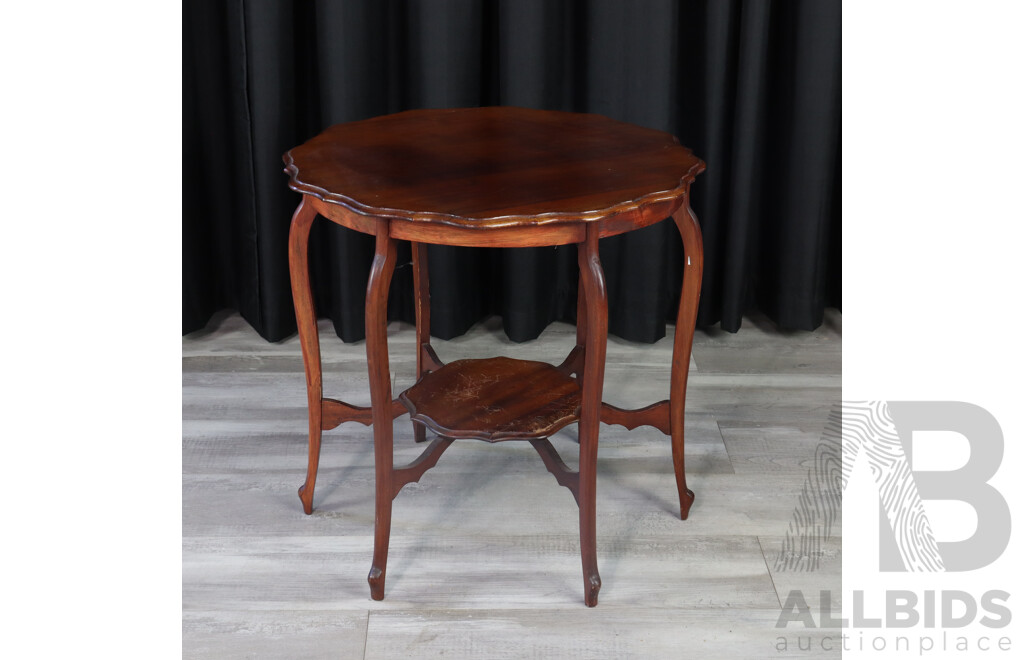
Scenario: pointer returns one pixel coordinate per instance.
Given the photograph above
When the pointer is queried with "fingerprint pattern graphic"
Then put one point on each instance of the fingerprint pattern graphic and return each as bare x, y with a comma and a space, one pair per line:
852, 428
868, 427
820, 505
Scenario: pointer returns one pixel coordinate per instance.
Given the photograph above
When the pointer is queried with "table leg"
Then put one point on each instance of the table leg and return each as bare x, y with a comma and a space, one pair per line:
380, 400
596, 337
305, 317
693, 268
421, 286
581, 322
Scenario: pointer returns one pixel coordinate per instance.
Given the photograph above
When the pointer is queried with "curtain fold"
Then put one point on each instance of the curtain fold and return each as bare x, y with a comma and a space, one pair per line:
752, 86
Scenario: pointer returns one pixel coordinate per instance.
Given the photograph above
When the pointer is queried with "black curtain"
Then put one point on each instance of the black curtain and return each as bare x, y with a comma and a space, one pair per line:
752, 86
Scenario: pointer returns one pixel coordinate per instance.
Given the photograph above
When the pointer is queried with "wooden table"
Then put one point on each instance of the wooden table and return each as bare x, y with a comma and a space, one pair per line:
493, 177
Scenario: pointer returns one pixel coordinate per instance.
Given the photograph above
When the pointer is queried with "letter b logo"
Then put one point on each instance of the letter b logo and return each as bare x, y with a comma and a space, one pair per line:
906, 543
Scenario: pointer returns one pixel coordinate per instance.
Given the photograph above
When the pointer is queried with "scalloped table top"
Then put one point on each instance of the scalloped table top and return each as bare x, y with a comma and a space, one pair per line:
478, 167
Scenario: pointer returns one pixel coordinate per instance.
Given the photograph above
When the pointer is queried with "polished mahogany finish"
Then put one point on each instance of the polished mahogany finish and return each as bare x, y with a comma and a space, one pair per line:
305, 316
494, 399
595, 341
493, 167
492, 177
381, 270
656, 415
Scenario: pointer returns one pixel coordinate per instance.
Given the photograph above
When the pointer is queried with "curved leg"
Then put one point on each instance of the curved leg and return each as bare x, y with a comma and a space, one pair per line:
380, 400
596, 337
581, 318
693, 268
305, 317
421, 287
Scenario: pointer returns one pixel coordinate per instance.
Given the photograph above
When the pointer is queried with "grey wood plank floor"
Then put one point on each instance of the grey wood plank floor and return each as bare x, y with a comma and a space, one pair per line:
484, 559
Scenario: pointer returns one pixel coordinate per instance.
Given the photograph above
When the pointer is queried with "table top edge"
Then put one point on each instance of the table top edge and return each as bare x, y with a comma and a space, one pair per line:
497, 221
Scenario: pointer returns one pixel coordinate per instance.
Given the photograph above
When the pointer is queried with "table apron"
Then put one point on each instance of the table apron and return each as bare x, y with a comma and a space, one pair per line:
537, 235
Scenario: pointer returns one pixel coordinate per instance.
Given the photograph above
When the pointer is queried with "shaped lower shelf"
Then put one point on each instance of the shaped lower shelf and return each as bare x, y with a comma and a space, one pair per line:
494, 399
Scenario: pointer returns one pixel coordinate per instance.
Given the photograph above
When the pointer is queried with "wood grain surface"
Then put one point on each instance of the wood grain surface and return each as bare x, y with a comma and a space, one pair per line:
493, 167
494, 399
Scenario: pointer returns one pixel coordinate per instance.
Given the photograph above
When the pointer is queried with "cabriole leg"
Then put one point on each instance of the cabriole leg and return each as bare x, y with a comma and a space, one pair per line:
595, 334
305, 317
380, 397
693, 268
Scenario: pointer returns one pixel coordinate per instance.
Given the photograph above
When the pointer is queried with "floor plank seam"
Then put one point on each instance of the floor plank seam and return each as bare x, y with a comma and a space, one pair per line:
366, 633
721, 436
770, 576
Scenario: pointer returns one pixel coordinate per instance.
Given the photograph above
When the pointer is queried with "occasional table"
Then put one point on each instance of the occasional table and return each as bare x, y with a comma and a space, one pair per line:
491, 177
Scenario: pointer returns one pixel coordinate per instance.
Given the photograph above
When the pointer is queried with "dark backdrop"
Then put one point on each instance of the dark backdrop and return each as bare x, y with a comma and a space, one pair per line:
753, 87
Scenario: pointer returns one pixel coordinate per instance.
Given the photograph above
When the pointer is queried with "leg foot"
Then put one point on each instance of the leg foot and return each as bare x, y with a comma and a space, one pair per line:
376, 580
685, 502
591, 586
306, 495
306, 490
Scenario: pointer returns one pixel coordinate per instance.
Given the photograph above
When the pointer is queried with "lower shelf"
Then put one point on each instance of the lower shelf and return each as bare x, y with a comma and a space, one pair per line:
494, 399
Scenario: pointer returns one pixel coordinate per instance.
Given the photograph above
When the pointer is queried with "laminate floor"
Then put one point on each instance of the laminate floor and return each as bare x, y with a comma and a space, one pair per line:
484, 559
